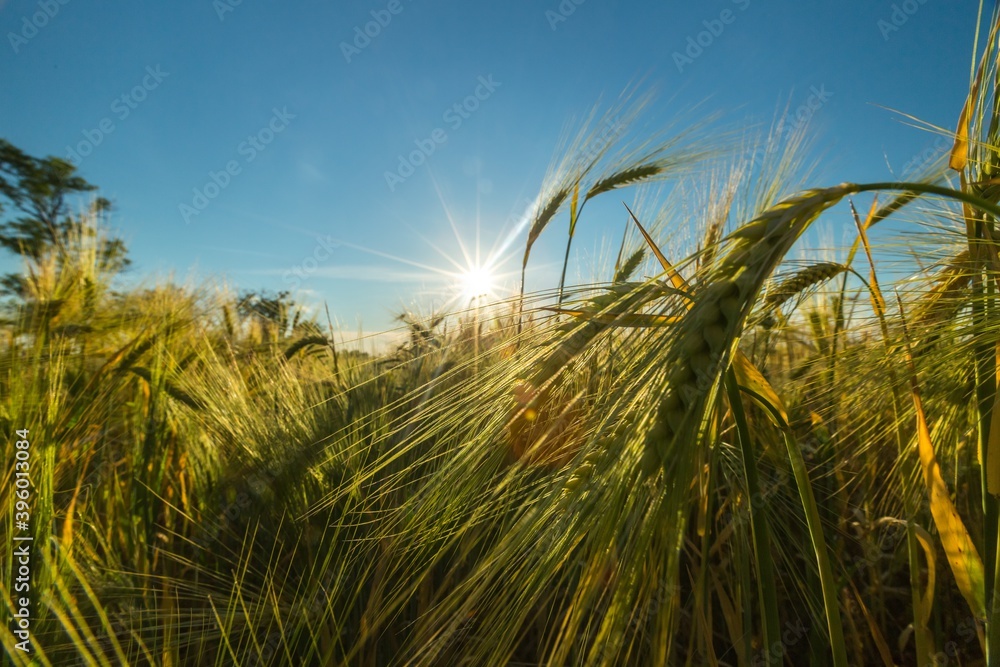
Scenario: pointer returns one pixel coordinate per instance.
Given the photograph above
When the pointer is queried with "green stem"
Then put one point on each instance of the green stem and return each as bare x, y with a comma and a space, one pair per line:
562, 278
574, 218
986, 374
985, 396
928, 189
992, 633
758, 522
922, 637
830, 603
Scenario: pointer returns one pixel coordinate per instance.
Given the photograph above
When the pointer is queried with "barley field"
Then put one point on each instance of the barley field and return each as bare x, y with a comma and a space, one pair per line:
728, 450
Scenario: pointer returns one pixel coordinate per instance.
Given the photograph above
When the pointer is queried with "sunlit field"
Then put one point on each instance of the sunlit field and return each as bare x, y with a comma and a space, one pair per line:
730, 449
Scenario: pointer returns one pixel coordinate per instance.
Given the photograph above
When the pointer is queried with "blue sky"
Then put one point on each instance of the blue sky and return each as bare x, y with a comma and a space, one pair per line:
299, 118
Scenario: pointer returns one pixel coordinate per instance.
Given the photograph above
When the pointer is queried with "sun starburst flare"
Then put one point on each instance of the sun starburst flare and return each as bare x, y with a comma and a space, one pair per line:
477, 282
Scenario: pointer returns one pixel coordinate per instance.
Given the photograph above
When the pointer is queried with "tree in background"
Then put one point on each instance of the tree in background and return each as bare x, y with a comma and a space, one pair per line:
35, 191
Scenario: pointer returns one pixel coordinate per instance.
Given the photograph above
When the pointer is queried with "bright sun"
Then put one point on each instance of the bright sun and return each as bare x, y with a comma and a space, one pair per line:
476, 282
473, 278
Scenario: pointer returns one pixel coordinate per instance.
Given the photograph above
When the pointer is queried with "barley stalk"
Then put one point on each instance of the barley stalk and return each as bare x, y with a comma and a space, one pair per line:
802, 280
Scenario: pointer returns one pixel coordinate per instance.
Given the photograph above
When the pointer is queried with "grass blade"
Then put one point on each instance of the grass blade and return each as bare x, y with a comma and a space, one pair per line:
962, 555
759, 528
